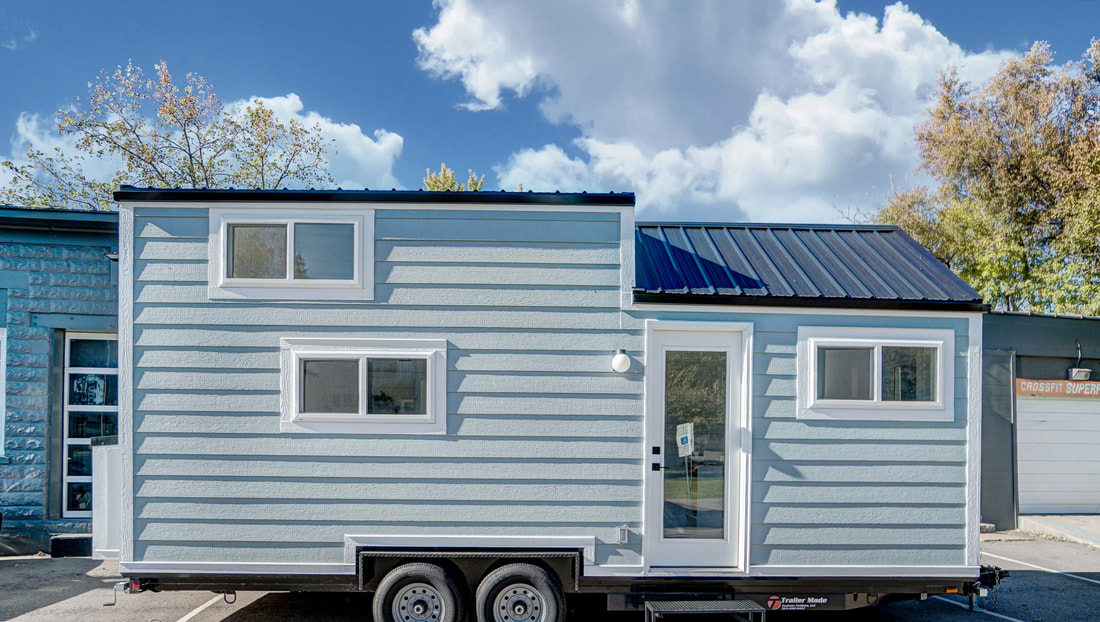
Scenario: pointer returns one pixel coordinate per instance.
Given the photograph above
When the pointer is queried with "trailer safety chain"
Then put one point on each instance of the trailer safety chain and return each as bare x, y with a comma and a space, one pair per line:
991, 598
989, 594
225, 597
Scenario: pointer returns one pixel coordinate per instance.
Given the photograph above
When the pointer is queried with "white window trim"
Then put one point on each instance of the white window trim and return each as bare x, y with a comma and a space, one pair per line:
434, 351
3, 387
359, 287
810, 338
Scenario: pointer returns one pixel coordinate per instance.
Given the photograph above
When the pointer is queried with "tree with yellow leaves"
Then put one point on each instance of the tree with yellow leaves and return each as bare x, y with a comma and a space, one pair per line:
1016, 212
165, 136
444, 181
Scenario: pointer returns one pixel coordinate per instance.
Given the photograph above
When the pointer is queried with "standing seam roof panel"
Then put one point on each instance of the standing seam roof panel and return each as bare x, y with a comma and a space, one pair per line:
645, 276
685, 258
713, 267
787, 266
668, 278
740, 268
902, 264
858, 267
810, 264
935, 271
771, 279
835, 265
872, 256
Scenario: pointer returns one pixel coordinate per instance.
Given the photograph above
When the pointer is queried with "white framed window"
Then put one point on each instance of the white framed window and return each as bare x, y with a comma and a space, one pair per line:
287, 253
890, 374
364, 386
90, 410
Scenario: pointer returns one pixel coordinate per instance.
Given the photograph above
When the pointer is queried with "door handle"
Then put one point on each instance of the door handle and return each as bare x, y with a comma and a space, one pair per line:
656, 466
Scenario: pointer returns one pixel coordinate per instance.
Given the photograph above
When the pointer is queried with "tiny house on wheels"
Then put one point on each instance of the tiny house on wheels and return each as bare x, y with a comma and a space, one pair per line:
472, 404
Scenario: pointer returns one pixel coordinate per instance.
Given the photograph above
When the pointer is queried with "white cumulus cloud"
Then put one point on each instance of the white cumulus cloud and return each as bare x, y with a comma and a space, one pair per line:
713, 109
356, 159
33, 130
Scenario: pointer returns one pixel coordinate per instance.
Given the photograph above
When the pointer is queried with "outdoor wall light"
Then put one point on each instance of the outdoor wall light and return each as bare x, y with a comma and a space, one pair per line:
1076, 372
620, 362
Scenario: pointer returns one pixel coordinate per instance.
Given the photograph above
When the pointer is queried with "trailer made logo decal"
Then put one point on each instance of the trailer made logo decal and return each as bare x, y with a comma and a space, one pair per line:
796, 603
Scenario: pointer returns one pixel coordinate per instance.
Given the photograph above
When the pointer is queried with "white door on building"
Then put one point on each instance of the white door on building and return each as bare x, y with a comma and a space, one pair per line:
1058, 454
694, 514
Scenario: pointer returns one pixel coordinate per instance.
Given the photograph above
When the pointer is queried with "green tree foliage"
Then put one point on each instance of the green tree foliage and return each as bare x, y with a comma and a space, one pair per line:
444, 181
166, 136
695, 392
1017, 209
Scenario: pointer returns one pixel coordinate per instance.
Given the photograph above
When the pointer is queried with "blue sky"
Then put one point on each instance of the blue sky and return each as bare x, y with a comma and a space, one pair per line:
721, 110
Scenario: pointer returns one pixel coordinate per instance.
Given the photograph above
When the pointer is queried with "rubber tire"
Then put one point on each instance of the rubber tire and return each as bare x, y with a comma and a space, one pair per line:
544, 582
454, 598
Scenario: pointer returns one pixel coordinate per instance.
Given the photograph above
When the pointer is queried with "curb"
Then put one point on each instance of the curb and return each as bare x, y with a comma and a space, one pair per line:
1047, 526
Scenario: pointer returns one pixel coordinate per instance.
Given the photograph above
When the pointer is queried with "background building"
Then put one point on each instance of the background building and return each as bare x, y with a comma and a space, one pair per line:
58, 347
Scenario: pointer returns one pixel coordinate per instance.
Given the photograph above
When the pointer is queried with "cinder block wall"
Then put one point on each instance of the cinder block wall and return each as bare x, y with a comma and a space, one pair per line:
46, 287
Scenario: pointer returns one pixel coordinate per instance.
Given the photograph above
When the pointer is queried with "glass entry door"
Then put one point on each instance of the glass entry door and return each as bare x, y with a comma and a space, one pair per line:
693, 448
91, 409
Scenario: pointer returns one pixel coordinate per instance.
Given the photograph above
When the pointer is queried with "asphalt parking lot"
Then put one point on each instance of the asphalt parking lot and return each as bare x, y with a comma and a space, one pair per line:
1051, 580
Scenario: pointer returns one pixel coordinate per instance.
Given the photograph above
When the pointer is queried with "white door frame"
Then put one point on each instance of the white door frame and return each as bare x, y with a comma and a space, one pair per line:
69, 409
662, 556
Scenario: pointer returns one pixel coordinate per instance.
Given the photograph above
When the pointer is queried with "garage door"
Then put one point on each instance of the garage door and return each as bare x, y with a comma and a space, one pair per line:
1058, 454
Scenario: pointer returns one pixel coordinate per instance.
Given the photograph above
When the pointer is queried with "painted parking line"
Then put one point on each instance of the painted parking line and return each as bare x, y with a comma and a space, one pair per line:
201, 608
988, 613
1044, 569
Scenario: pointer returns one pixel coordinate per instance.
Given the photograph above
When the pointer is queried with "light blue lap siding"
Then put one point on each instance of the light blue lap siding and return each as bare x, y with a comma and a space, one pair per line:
543, 438
824, 492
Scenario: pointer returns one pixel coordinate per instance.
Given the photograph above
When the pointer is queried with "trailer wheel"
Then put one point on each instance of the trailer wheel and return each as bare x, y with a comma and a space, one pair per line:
418, 592
520, 593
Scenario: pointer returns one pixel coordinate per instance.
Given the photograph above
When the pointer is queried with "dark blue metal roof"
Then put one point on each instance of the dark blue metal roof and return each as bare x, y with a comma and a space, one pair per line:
838, 265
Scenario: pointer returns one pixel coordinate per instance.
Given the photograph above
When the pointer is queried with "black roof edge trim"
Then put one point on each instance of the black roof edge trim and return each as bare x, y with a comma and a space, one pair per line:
58, 220
128, 193
817, 303
771, 225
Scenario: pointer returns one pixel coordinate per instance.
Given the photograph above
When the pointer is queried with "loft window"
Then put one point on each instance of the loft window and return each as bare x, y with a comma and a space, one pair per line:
364, 386
857, 373
291, 254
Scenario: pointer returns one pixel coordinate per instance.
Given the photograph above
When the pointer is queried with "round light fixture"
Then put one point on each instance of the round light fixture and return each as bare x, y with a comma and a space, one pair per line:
620, 362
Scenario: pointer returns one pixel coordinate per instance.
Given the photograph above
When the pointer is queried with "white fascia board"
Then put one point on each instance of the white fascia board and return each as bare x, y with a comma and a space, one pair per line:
973, 439
626, 257
234, 568
125, 425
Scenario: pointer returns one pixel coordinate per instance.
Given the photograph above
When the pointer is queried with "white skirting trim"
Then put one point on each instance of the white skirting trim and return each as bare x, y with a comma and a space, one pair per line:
901, 572
250, 568
614, 571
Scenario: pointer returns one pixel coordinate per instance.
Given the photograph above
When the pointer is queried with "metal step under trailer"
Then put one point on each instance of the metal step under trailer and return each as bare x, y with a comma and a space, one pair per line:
743, 610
